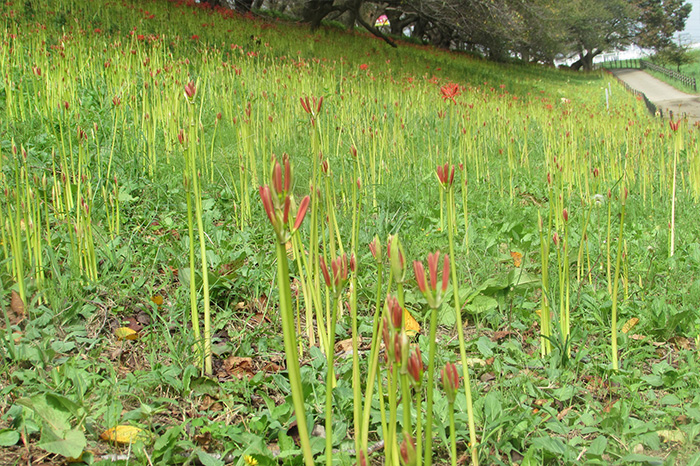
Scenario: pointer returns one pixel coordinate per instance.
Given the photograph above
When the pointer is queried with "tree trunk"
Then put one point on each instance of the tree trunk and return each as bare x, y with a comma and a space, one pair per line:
585, 61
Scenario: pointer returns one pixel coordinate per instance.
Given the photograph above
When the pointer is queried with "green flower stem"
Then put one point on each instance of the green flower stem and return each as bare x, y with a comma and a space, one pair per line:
373, 366
616, 281
419, 428
330, 380
428, 460
290, 350
545, 324
460, 330
453, 434
406, 400
390, 444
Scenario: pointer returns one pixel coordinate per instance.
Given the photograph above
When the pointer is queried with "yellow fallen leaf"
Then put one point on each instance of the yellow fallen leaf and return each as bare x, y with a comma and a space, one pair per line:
290, 250
157, 300
475, 361
675, 436
538, 312
412, 325
123, 434
126, 333
629, 325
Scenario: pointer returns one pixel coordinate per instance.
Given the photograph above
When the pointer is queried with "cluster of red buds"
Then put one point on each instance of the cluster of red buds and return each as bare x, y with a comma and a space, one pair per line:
339, 268
277, 201
311, 106
445, 175
430, 290
450, 381
397, 344
190, 91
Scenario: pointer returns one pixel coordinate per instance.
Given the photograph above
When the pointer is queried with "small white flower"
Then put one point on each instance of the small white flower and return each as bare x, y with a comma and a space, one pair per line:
598, 199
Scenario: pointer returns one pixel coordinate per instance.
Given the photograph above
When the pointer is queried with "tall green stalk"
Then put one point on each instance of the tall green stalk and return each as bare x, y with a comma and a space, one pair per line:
446, 182
616, 281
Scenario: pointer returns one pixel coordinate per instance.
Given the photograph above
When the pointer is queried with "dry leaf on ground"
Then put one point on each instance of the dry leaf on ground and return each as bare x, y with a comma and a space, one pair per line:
123, 434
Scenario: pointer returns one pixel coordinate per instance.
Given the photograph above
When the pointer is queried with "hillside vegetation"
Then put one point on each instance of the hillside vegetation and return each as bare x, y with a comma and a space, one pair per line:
150, 283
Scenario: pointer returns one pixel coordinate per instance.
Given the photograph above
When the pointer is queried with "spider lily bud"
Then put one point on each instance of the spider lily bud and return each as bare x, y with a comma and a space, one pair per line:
430, 291
450, 381
407, 450
375, 247
415, 366
445, 175
396, 258
395, 312
190, 91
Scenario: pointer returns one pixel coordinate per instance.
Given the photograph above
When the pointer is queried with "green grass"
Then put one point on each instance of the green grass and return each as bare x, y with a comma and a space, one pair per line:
691, 69
94, 231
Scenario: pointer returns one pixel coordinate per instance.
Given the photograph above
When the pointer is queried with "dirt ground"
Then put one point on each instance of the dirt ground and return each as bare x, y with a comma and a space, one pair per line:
664, 96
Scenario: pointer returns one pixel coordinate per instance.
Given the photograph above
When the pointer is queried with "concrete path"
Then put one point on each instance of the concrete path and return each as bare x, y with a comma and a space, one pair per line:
661, 94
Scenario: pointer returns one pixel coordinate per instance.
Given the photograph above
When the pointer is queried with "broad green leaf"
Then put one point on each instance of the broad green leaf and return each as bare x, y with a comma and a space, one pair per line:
208, 460
551, 444
70, 443
482, 304
598, 445
8, 437
53, 414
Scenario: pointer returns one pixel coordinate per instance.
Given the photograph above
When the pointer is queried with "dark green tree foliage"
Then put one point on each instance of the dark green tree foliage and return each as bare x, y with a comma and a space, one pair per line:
533, 30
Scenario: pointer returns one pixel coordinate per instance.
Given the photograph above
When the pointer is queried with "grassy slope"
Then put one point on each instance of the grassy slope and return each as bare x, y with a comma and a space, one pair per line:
510, 124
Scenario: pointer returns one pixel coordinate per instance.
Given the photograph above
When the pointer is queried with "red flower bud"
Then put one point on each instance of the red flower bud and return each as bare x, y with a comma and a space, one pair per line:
450, 381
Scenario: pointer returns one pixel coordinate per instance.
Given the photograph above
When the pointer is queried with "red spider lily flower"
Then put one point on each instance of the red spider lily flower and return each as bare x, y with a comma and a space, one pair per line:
116, 100
278, 203
450, 91
445, 175
309, 104
674, 125
190, 91
364, 66
450, 381
36, 70
339, 271
181, 136
565, 215
407, 451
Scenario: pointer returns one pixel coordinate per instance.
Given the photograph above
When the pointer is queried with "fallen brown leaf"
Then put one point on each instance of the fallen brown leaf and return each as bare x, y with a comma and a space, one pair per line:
16, 313
562, 414
500, 335
239, 367
680, 342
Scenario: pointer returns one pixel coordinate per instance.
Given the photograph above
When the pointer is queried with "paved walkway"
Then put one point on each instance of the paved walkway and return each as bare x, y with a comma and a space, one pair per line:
661, 94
